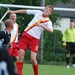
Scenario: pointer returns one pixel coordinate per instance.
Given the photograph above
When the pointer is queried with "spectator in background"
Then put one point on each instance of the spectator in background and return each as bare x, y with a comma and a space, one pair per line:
69, 41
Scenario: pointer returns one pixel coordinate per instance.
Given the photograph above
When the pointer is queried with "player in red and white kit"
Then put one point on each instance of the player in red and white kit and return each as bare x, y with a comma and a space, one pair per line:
13, 51
31, 35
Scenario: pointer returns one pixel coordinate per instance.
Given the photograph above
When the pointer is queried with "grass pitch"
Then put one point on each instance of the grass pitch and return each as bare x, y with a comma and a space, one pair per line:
49, 70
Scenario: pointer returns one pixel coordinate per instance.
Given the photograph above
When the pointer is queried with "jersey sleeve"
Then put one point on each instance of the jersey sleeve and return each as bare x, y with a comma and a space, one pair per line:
65, 36
49, 24
33, 12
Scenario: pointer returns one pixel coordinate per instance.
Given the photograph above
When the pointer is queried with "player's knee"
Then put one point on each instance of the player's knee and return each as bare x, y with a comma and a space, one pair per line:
21, 57
33, 59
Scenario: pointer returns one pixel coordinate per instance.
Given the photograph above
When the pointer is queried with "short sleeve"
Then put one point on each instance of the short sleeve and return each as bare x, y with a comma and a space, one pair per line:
49, 24
33, 12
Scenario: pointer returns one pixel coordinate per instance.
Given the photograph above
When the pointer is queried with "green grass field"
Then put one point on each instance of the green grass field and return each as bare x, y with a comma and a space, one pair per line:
49, 70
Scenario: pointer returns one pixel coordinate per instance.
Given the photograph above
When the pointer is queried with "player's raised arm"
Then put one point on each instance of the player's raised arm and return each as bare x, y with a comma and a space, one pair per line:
17, 11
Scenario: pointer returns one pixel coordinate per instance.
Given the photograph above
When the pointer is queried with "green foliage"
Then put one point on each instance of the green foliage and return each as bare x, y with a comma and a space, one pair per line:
67, 1
54, 2
23, 2
53, 50
6, 1
55, 17
27, 2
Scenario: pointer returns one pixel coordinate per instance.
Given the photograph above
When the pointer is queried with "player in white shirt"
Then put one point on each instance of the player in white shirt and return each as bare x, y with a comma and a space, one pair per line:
14, 37
31, 35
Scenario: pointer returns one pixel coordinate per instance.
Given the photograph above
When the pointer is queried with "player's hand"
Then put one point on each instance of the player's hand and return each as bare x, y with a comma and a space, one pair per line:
10, 11
39, 24
10, 45
64, 44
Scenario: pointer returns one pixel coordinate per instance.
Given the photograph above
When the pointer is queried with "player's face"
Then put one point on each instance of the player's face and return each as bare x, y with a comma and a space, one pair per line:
47, 11
13, 17
71, 24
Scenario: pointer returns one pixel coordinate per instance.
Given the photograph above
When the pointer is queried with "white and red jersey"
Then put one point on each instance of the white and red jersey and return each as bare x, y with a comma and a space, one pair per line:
34, 30
14, 34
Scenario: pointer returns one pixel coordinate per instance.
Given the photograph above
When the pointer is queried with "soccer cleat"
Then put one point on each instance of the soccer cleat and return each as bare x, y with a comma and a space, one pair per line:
67, 66
73, 65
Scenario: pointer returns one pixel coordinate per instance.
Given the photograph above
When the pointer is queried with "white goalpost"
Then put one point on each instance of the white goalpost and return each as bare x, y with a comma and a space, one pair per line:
35, 7
31, 7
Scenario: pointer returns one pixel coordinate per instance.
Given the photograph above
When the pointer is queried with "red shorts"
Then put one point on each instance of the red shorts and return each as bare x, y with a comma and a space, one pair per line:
14, 51
28, 41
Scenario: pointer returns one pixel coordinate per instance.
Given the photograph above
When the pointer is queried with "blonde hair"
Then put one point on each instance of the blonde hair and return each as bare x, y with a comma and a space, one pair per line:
50, 6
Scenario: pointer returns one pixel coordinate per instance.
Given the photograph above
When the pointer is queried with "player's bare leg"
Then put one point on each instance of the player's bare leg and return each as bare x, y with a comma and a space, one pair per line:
17, 58
34, 62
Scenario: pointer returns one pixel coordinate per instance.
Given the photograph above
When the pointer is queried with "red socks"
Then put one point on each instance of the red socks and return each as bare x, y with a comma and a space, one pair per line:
19, 66
35, 68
